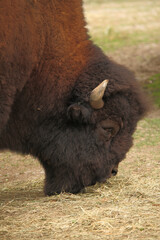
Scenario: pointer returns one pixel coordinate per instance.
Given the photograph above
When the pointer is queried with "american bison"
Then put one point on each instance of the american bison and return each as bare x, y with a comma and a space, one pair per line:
61, 99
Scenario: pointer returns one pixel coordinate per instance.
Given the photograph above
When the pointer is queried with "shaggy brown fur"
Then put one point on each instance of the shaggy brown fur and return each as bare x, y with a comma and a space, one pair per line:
48, 68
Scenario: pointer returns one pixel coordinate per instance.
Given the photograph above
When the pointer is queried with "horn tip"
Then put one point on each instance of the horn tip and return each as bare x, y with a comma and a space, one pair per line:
105, 82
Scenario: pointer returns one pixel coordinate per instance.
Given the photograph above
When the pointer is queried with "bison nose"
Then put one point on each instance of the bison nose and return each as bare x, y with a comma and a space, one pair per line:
114, 171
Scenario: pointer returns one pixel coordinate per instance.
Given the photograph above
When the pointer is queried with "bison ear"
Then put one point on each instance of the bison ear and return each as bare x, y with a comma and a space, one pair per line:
78, 113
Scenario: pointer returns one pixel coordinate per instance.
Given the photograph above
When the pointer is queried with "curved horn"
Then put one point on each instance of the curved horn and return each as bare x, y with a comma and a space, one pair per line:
96, 96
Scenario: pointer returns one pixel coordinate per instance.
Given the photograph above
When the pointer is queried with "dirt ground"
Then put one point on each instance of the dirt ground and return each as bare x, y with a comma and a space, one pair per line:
127, 206
143, 59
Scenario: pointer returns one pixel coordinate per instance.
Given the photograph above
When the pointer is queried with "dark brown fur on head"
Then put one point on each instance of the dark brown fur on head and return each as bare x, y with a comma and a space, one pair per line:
95, 141
48, 69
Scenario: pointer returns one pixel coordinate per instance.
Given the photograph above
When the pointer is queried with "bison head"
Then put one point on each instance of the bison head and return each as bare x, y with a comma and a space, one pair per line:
88, 143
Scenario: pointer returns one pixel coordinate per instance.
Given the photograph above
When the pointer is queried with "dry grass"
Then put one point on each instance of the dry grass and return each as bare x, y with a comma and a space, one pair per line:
124, 18
141, 15
127, 206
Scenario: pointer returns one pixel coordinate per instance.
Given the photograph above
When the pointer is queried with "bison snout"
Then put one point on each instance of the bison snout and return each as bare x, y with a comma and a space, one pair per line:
114, 171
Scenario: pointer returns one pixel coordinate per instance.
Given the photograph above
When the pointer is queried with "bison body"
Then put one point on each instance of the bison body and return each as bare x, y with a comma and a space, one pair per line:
48, 69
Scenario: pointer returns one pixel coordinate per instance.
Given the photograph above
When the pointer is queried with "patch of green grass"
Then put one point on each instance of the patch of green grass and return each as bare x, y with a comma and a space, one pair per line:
112, 40
148, 133
153, 87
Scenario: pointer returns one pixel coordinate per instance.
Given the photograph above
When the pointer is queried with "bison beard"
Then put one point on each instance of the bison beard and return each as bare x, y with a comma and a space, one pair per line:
48, 70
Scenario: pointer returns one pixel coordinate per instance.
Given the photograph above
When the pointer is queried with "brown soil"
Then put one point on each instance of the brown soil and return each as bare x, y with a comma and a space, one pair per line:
143, 59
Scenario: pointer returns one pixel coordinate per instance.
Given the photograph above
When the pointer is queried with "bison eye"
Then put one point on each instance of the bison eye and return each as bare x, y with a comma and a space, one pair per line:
107, 129
106, 133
